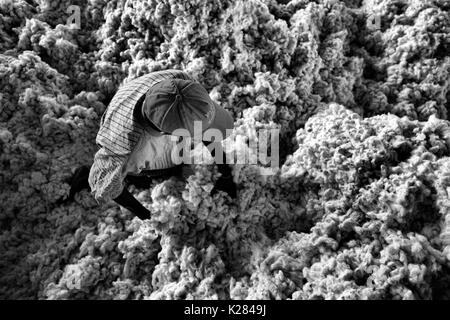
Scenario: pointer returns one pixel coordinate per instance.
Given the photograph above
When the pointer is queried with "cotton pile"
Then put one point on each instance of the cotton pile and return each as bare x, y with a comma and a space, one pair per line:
359, 207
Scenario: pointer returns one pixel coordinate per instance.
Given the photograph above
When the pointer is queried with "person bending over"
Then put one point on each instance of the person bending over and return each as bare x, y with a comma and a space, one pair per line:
136, 137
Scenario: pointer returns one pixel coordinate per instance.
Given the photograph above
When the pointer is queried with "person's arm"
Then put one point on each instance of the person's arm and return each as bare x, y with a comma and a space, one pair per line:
225, 182
106, 179
128, 201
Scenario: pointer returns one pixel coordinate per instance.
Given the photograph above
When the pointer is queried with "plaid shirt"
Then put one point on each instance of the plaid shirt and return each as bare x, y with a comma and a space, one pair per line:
119, 134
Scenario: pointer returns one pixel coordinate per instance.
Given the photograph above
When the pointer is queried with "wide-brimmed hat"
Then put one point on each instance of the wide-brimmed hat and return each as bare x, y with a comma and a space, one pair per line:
176, 103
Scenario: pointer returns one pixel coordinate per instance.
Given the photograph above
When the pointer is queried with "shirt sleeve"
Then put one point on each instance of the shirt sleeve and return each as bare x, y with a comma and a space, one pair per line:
107, 175
178, 74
